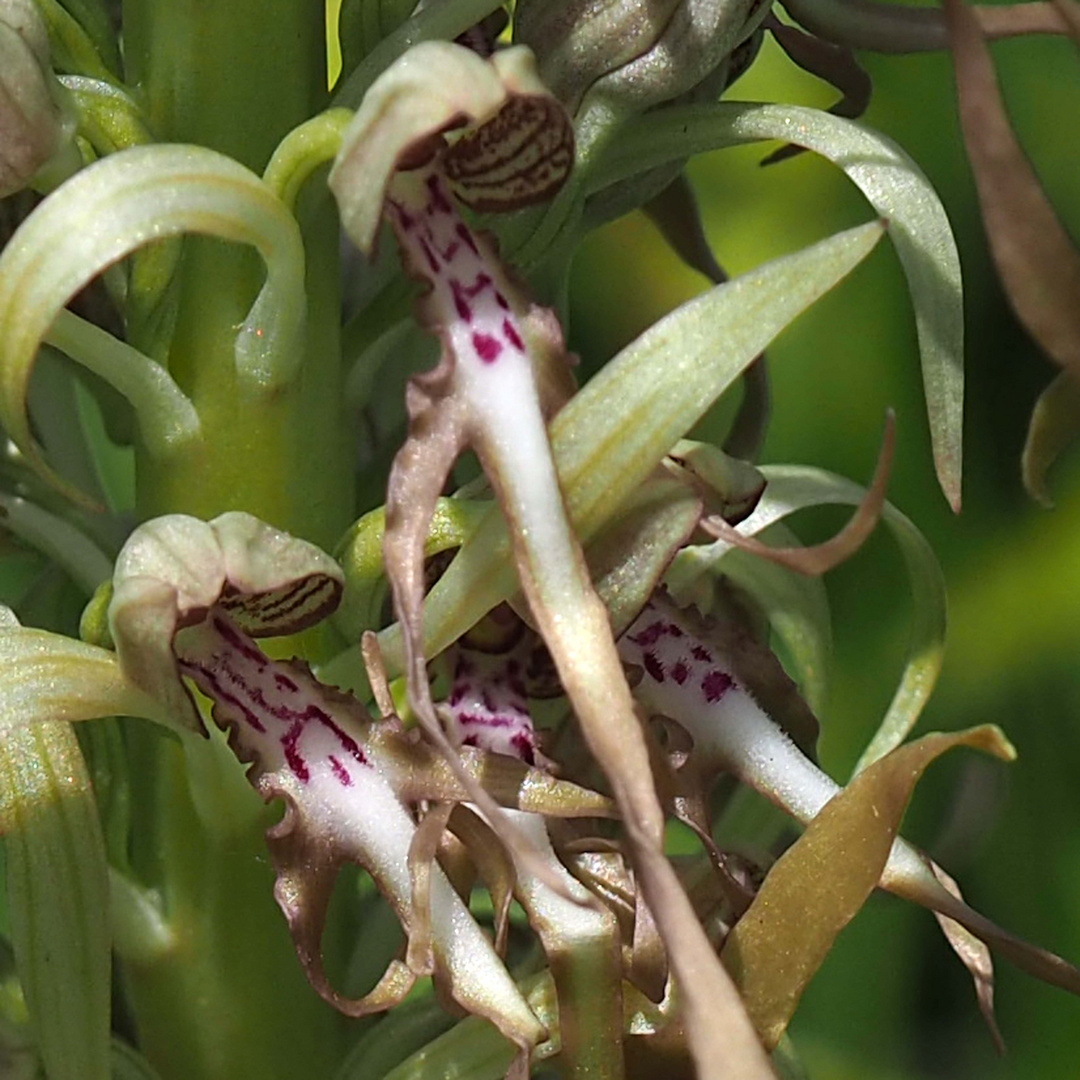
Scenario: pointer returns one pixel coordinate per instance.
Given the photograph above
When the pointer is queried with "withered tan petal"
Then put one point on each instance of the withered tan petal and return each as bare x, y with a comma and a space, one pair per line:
822, 557
1038, 262
820, 883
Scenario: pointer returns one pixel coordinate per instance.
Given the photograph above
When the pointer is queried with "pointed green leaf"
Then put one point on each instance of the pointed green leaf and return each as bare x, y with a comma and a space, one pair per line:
58, 892
613, 433
895, 187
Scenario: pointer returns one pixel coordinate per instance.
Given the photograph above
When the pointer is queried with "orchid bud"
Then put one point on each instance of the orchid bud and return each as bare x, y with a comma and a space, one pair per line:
33, 125
634, 53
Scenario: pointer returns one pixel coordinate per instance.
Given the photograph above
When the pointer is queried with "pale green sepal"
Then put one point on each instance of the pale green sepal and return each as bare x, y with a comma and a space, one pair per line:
793, 487
114, 207
61, 679
58, 896
614, 432
434, 86
896, 188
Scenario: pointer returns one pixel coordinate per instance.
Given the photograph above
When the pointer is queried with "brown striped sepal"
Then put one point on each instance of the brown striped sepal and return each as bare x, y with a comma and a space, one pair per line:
521, 156
175, 571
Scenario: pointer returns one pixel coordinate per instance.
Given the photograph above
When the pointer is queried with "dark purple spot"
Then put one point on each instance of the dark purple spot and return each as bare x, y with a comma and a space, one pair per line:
405, 219
512, 335
240, 643
653, 666
680, 672
283, 682
649, 636
470, 740
292, 754
439, 203
482, 282
456, 695
524, 747
715, 685
485, 697
340, 771
473, 720
502, 301
675, 631
466, 237
348, 743
211, 686
461, 304
447, 254
433, 263
702, 654
487, 347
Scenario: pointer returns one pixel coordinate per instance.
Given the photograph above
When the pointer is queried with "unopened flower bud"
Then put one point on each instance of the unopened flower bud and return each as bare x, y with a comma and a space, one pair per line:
33, 126
636, 53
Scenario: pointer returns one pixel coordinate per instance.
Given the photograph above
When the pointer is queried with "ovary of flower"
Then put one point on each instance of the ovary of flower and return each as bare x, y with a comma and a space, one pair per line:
307, 746
686, 677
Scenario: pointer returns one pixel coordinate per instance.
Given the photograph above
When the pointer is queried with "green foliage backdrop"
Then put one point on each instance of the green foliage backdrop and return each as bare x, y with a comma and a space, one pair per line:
891, 992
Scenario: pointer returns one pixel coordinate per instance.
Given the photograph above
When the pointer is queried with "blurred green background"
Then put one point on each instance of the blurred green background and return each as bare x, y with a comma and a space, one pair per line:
891, 1001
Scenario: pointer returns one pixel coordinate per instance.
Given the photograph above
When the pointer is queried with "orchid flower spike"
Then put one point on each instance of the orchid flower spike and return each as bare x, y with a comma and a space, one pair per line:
189, 599
501, 373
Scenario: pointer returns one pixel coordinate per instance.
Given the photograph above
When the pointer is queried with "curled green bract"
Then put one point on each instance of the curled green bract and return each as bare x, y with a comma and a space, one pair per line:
896, 188
105, 213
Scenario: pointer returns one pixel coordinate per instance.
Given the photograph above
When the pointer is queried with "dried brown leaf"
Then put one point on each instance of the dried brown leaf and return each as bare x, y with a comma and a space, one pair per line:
420, 955
307, 865
1037, 260
1054, 426
824, 556
1069, 10
494, 866
974, 955
898, 28
820, 883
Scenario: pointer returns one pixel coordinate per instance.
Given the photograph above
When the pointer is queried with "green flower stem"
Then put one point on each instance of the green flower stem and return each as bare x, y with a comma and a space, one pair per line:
229, 999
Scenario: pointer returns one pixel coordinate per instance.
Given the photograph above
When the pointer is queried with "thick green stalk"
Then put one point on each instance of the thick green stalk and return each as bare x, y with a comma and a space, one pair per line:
234, 75
229, 999
237, 77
